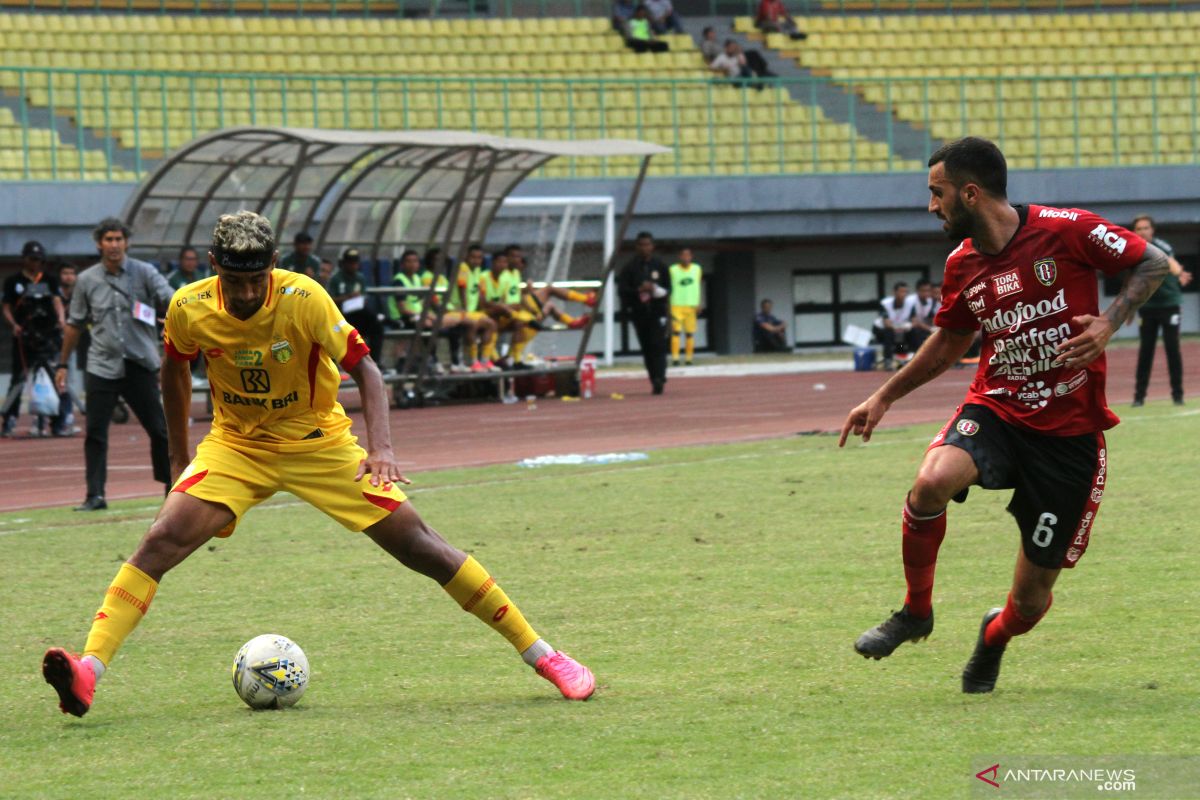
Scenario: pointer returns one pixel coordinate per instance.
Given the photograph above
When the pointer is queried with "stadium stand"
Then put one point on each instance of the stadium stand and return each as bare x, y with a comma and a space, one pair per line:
164, 79
1078, 89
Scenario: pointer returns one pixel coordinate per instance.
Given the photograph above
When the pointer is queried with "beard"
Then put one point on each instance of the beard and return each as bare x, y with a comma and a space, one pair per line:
959, 224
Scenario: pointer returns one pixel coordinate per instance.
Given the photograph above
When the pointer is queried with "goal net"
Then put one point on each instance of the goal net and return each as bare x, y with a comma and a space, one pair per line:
567, 242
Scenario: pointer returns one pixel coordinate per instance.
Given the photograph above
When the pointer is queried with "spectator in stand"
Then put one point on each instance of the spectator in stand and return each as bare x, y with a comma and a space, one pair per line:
732, 62
639, 35
773, 17
922, 320
770, 334
737, 65
710, 48
324, 272
644, 285
120, 298
894, 322
188, 271
348, 289
1161, 310
33, 308
622, 12
662, 16
301, 259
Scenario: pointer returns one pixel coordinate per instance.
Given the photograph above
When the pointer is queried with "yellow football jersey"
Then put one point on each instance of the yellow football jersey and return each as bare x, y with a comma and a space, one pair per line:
275, 376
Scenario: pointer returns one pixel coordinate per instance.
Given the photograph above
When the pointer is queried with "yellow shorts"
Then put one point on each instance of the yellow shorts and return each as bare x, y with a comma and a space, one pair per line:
683, 319
240, 479
456, 317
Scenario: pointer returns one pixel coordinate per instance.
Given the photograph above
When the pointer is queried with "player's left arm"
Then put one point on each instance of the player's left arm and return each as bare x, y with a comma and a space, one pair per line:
380, 463
1145, 278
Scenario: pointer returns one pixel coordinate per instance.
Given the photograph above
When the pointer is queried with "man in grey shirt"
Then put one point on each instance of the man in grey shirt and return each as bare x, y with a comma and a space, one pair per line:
120, 298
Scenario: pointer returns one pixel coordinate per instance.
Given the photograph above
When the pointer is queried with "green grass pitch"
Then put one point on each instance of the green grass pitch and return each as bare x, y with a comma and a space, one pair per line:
715, 591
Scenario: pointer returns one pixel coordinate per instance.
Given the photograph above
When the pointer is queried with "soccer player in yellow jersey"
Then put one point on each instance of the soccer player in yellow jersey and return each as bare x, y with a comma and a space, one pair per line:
537, 304
500, 298
685, 304
273, 341
481, 329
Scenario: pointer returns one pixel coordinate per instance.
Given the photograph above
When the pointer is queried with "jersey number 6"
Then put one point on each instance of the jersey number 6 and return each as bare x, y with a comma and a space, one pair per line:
1043, 533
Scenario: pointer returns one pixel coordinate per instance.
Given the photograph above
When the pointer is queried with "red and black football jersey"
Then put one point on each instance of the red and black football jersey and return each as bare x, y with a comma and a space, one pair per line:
1024, 299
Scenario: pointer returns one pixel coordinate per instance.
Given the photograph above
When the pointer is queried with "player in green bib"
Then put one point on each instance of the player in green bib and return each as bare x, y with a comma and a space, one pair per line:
463, 309
685, 304
405, 309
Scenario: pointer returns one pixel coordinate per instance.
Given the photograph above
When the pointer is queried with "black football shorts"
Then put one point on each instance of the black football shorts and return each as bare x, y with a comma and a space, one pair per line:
1058, 481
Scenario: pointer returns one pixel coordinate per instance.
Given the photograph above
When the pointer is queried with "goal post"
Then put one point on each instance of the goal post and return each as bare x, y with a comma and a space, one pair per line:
569, 241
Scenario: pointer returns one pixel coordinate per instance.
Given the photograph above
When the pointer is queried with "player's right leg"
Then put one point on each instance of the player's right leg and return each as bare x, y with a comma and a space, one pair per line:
183, 524
945, 472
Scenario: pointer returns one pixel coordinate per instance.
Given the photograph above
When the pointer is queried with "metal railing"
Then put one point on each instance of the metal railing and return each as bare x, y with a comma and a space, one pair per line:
566, 8
112, 125
336, 8
748, 8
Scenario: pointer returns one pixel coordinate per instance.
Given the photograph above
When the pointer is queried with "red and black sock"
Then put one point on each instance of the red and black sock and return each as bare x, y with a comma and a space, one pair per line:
922, 537
1010, 623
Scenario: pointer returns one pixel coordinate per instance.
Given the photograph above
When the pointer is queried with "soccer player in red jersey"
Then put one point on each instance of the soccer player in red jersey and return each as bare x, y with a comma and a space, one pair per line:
1034, 417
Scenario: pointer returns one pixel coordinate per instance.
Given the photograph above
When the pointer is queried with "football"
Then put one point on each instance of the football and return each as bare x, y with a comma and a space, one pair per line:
270, 671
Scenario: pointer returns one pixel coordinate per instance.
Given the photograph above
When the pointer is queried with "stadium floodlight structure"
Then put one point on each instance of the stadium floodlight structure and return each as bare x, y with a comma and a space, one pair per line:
381, 192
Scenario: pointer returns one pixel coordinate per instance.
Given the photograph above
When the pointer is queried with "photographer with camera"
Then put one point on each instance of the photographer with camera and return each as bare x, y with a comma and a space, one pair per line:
33, 308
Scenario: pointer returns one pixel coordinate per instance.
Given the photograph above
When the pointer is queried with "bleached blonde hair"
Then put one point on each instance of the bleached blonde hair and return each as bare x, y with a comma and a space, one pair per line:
243, 232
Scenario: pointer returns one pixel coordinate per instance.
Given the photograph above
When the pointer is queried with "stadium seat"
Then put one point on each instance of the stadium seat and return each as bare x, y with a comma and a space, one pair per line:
189, 91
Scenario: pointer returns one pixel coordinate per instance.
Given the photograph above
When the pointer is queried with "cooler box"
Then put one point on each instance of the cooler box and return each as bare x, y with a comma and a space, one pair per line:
864, 359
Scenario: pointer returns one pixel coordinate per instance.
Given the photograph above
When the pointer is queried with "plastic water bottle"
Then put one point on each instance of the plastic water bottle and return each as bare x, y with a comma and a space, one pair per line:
587, 377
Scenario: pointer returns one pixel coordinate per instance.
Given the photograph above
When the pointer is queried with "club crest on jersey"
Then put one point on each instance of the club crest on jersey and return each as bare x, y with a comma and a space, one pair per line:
282, 351
1046, 271
1006, 283
967, 427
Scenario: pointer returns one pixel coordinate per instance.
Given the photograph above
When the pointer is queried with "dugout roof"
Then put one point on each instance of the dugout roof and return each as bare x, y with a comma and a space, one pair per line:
378, 191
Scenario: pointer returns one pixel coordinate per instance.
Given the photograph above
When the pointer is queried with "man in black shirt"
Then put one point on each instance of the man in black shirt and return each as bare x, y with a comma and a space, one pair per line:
645, 288
33, 308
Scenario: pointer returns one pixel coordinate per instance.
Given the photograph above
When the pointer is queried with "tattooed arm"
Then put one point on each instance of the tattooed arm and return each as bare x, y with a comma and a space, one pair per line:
1079, 351
941, 351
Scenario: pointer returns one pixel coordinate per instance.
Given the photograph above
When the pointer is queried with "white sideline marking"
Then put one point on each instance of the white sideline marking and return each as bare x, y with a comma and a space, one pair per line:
774, 447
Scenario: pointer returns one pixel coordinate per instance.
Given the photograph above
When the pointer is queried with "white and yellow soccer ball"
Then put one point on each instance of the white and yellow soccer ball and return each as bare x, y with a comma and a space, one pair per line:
270, 671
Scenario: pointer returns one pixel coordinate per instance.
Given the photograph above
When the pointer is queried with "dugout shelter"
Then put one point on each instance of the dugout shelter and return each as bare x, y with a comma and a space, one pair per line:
380, 192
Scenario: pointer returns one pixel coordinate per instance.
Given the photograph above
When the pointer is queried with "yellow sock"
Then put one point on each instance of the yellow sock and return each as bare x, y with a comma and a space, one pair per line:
476, 591
520, 341
125, 604
472, 350
577, 297
691, 346
489, 346
674, 346
565, 318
